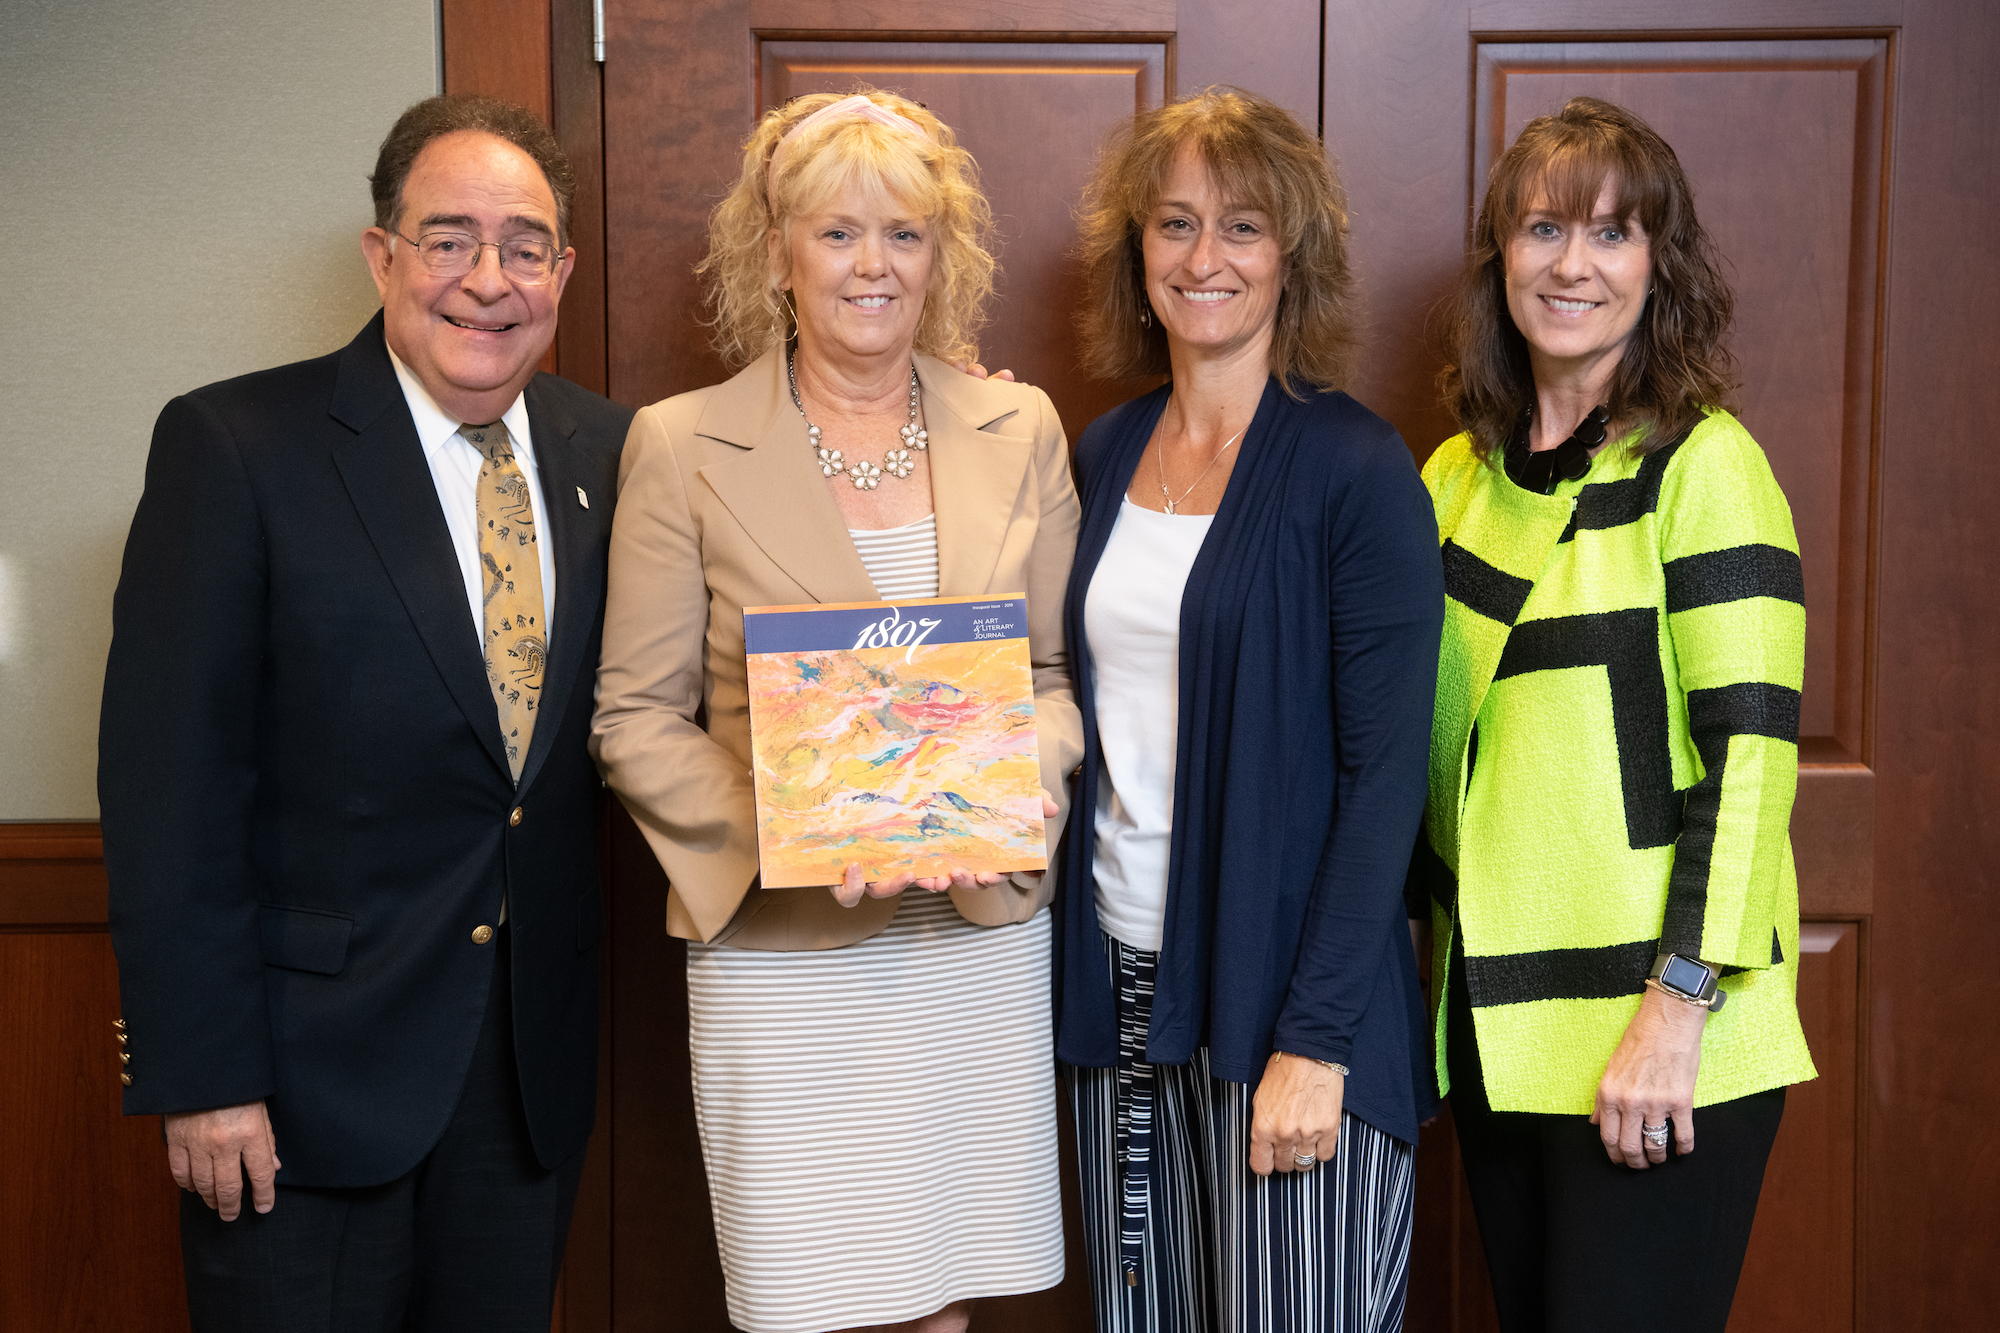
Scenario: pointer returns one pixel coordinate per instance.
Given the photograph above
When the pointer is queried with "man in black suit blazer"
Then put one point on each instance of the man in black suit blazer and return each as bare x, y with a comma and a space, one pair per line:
356, 925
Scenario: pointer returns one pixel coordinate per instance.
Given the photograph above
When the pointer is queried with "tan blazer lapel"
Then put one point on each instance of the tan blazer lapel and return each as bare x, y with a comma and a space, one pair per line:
774, 488
978, 465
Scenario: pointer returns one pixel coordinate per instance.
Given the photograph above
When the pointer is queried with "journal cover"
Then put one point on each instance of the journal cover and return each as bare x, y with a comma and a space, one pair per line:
899, 736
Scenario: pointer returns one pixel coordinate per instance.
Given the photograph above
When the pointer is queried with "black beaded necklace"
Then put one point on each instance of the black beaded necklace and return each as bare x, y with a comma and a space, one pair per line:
1540, 470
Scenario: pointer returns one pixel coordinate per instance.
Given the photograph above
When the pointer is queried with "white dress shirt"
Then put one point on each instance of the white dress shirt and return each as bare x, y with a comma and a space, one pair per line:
1132, 615
455, 468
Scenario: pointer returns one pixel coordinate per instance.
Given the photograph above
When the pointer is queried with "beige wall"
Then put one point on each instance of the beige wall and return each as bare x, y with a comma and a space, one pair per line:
182, 189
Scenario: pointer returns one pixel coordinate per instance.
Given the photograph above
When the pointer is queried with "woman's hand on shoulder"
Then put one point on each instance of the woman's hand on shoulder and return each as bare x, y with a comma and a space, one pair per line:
1295, 1113
1650, 1080
980, 372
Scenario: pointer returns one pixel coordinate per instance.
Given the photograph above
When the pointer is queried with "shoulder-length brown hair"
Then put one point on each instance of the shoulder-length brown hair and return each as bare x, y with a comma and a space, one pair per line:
1676, 363
1260, 158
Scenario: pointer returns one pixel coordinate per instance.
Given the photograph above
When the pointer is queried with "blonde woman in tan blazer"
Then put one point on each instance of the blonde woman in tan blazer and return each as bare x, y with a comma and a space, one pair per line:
872, 1062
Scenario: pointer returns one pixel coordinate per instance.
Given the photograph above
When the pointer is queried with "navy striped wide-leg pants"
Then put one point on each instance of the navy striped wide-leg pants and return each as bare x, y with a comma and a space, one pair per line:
1184, 1238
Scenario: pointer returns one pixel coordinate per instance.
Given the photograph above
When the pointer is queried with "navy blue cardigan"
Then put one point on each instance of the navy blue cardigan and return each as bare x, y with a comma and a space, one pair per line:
1308, 666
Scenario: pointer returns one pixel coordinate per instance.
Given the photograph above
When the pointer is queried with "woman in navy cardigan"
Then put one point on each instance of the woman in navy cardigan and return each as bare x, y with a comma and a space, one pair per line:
1254, 614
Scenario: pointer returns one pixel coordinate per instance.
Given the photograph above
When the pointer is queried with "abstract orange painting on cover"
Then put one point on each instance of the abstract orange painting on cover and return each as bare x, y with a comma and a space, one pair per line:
895, 736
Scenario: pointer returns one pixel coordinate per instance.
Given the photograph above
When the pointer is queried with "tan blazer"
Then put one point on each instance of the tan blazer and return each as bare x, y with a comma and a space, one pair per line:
721, 506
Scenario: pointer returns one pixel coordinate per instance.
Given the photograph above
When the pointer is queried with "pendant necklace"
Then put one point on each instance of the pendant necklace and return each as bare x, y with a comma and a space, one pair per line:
1160, 458
864, 474
1542, 470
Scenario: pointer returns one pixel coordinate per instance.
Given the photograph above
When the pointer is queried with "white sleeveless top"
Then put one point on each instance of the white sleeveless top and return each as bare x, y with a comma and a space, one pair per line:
1132, 614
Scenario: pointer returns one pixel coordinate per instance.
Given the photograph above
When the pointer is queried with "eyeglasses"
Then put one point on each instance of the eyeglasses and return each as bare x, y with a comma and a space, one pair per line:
453, 254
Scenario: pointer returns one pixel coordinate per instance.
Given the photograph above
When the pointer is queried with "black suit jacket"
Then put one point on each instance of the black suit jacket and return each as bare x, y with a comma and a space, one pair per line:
307, 810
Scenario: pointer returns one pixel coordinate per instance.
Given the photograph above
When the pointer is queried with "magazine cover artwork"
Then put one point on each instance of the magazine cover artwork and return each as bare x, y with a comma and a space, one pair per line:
897, 736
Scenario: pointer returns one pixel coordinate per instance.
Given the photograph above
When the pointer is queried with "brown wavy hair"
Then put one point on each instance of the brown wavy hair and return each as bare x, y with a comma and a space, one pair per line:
935, 177
1260, 158
1676, 363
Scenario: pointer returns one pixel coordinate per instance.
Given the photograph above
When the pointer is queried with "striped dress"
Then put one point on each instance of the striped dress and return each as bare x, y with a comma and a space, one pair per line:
878, 1121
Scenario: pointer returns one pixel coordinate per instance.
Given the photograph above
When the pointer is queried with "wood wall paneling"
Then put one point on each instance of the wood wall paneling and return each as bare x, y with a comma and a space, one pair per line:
52, 877
1396, 104
1800, 1269
679, 99
666, 1274
91, 1237
577, 115
499, 48
539, 53
1932, 1079
983, 18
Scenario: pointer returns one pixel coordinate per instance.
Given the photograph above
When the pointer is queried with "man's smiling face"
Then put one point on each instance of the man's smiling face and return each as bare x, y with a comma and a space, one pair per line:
475, 340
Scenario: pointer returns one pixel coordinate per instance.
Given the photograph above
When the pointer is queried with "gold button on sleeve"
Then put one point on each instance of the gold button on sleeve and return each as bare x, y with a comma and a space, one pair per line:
514, 818
126, 1079
482, 934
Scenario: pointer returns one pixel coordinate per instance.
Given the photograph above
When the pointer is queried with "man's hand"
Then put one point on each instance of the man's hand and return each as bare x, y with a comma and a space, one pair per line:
210, 1152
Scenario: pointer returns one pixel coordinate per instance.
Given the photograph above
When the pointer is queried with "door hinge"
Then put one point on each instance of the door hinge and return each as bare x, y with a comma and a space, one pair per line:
597, 31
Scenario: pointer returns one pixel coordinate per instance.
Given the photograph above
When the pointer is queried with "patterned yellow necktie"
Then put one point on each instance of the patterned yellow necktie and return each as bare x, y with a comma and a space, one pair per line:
514, 634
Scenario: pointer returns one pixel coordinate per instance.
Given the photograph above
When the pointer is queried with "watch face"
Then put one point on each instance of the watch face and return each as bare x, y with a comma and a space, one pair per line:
1684, 976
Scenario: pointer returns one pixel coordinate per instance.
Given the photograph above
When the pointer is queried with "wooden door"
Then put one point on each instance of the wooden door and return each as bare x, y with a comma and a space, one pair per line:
1827, 140
1838, 148
1030, 88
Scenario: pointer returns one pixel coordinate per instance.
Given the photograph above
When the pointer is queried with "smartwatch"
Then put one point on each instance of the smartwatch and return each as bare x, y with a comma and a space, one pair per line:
1688, 979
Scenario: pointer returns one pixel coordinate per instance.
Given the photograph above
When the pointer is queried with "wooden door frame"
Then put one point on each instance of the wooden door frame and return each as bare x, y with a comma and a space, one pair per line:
540, 53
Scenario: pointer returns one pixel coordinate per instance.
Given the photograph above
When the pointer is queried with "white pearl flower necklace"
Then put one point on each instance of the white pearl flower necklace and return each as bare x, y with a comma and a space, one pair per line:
865, 475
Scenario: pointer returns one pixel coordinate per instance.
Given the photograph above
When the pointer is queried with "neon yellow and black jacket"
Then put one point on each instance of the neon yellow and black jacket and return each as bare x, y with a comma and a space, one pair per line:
1613, 759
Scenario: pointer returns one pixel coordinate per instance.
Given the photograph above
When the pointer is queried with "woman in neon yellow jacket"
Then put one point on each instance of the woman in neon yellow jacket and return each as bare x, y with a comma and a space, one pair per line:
1615, 748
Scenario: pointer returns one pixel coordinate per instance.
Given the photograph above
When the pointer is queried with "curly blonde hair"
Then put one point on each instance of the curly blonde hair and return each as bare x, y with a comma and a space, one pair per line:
936, 179
1260, 157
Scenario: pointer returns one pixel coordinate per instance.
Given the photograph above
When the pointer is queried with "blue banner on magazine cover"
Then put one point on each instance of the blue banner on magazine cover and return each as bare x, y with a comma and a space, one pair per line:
874, 625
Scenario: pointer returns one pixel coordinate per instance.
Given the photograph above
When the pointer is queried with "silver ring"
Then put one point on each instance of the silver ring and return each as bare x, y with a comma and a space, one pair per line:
1303, 1159
1654, 1134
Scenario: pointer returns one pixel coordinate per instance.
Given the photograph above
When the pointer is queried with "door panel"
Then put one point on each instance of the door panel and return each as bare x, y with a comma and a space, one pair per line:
1809, 127
1799, 1273
1795, 206
1828, 143
1784, 138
